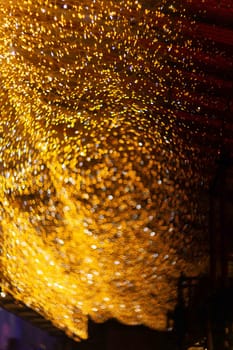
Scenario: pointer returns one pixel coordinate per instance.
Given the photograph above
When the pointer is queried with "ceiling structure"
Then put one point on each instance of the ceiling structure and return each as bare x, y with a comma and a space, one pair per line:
113, 117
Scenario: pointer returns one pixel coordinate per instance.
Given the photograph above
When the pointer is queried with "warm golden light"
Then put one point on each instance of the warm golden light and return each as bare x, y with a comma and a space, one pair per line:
95, 184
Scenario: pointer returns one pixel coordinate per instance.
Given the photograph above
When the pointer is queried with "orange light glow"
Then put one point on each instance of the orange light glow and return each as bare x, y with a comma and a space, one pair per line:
95, 183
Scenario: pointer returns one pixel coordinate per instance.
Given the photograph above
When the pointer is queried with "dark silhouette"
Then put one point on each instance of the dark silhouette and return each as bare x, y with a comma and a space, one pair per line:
13, 344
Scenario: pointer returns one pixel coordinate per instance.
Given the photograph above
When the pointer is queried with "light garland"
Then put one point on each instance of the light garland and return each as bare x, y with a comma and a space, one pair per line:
97, 190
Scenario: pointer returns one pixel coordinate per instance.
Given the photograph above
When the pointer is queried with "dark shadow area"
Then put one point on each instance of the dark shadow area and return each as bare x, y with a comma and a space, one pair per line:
113, 335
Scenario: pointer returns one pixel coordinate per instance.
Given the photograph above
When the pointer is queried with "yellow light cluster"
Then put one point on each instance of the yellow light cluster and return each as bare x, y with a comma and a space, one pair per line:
96, 205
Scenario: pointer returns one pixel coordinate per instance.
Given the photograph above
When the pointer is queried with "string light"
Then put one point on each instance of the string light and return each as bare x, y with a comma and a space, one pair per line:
97, 190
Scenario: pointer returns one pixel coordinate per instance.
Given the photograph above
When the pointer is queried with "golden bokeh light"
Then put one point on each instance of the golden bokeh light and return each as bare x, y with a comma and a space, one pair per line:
97, 192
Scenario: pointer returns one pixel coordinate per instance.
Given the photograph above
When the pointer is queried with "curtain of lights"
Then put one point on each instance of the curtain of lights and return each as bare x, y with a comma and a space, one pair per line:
99, 183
